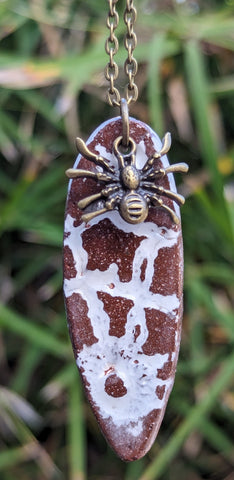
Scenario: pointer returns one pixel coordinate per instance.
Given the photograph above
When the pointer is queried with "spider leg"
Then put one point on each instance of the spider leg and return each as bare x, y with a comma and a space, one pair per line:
163, 191
153, 197
89, 216
161, 172
91, 198
120, 158
177, 167
115, 198
102, 177
110, 205
83, 149
166, 144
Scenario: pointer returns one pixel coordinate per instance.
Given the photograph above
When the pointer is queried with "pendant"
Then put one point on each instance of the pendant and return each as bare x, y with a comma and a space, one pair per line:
123, 279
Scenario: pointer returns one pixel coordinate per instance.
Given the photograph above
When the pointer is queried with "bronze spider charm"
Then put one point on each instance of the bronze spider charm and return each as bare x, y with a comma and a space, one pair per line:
130, 190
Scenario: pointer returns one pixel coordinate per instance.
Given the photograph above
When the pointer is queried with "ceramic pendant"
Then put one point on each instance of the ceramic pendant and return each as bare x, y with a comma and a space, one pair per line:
123, 281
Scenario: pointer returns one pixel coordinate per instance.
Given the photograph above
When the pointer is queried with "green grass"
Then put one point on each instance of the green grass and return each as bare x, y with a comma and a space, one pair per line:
51, 79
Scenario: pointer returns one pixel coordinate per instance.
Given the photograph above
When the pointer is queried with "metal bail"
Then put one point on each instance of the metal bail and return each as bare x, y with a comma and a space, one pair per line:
125, 122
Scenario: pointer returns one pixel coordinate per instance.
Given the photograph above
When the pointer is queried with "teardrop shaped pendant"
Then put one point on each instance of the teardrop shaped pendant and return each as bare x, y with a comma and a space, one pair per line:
123, 279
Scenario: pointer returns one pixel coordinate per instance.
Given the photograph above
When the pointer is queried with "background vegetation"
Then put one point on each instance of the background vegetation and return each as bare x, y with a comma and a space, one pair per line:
52, 89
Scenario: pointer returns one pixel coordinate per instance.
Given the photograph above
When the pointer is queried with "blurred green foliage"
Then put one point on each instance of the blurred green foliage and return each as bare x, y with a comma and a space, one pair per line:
52, 89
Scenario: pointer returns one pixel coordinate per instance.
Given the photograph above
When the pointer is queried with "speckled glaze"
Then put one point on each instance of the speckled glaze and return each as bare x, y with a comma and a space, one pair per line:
123, 294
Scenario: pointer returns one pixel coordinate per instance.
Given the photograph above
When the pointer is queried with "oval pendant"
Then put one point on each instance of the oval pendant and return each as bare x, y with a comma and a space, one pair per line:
123, 283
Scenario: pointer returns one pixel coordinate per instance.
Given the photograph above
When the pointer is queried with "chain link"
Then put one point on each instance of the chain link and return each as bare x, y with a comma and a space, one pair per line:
112, 46
130, 43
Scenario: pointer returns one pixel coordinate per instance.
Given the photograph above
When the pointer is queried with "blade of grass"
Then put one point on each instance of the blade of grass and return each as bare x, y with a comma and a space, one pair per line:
72, 68
215, 213
10, 208
76, 433
215, 27
9, 21
218, 440
28, 361
198, 85
51, 14
8, 149
202, 295
202, 365
42, 105
55, 197
18, 135
62, 380
52, 286
36, 451
37, 335
213, 434
191, 423
43, 193
197, 340
28, 270
201, 101
223, 86
7, 183
13, 456
222, 274
156, 52
134, 469
42, 232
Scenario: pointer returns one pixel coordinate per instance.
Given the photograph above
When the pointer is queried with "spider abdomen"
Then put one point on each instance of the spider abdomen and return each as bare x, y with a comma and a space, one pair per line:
133, 208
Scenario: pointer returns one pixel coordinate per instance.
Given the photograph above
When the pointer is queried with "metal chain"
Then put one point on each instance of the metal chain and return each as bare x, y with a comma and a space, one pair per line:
130, 43
112, 46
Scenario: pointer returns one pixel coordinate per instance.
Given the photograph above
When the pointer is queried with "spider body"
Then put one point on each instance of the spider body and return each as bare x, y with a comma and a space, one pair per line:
131, 190
130, 177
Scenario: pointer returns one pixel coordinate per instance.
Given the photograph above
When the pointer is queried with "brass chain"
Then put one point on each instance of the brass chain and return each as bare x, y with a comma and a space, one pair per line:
112, 46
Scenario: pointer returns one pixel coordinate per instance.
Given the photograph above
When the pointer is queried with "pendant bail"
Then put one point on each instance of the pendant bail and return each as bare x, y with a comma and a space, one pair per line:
125, 122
